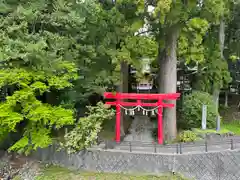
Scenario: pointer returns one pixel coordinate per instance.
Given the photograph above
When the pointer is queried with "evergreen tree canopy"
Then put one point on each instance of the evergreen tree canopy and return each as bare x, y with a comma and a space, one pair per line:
38, 55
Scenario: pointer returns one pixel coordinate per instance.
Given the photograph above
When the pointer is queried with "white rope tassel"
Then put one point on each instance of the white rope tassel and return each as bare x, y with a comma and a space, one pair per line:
138, 108
153, 113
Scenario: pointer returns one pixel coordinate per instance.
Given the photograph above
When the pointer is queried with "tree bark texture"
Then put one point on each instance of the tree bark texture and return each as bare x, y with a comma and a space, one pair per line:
216, 88
222, 42
168, 80
124, 89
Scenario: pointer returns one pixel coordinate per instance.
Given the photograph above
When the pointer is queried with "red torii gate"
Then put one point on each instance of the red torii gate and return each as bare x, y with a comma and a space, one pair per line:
133, 96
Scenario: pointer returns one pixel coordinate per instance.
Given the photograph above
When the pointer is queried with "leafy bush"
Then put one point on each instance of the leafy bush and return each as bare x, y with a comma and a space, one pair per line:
87, 129
187, 136
191, 114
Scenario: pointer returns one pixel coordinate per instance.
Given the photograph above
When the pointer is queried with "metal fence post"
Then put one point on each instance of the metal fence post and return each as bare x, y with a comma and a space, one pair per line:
218, 123
180, 148
177, 149
232, 144
105, 142
206, 147
130, 146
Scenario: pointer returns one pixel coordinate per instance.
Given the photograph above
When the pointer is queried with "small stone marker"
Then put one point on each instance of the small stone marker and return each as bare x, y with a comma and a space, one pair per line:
218, 123
204, 117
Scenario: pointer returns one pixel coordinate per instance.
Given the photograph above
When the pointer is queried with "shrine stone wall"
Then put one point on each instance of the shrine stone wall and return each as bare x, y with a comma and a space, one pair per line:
223, 165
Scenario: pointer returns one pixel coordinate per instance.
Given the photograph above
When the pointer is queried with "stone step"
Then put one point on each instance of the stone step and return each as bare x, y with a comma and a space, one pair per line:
140, 129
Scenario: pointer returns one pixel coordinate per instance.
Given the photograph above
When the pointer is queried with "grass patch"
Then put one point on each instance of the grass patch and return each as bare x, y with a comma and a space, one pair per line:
223, 130
56, 173
226, 127
233, 127
17, 178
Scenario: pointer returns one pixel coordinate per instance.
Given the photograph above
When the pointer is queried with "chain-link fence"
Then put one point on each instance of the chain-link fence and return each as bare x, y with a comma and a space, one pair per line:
206, 162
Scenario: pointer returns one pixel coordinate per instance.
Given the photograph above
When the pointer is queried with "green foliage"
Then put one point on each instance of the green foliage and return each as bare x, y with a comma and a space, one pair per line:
187, 136
135, 48
162, 9
214, 71
87, 129
55, 53
190, 44
109, 40
233, 127
38, 57
37, 138
232, 32
191, 114
214, 9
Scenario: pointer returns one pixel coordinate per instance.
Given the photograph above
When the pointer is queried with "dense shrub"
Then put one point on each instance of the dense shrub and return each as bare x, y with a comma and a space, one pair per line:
87, 129
187, 136
191, 113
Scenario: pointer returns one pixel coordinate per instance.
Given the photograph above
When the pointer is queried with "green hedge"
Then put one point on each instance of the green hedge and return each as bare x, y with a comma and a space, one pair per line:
191, 113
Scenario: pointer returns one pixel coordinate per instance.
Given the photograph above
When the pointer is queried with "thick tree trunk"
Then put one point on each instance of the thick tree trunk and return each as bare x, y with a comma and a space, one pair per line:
216, 88
124, 88
168, 80
222, 40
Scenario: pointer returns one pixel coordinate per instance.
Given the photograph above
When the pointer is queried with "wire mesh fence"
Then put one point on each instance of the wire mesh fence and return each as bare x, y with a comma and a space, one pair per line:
206, 160
203, 160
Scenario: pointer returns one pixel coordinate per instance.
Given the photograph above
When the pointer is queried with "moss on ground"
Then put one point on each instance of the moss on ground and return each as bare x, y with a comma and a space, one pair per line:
56, 173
